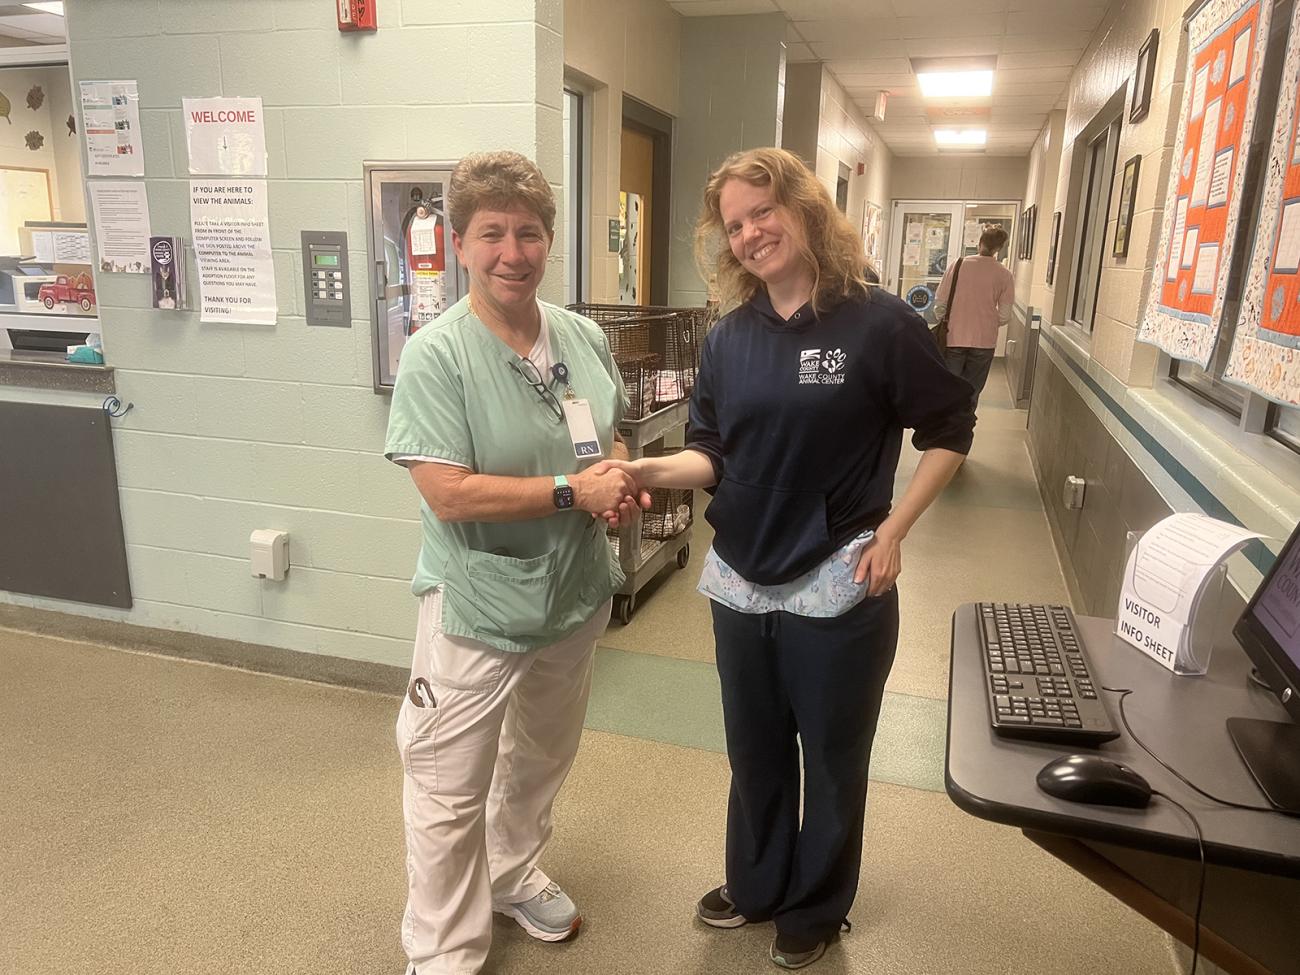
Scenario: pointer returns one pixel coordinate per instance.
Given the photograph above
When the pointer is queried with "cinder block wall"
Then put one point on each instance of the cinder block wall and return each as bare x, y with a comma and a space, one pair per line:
733, 95
237, 427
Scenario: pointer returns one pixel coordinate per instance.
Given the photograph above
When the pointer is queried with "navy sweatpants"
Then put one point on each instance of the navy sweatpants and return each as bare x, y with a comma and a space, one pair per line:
821, 680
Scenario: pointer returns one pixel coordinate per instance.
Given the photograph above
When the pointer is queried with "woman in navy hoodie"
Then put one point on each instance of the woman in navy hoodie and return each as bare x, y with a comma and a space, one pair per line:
796, 424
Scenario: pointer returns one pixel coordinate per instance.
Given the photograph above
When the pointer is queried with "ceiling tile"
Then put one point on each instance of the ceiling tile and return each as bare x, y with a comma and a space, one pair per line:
849, 29
953, 47
1039, 59
822, 9
723, 8
952, 26
1066, 40
799, 52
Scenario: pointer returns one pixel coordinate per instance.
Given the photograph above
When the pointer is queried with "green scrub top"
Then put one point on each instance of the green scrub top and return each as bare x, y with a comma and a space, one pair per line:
515, 585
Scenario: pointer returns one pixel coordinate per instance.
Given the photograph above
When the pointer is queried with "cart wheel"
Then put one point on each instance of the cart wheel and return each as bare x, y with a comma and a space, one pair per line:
85, 304
683, 555
624, 607
47, 301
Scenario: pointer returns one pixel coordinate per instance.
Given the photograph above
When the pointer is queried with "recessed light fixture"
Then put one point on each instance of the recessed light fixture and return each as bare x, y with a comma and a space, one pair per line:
956, 84
51, 7
960, 138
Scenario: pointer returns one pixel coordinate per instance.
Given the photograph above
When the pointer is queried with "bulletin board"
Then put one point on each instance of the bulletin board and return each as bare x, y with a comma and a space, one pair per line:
1266, 346
24, 196
1227, 40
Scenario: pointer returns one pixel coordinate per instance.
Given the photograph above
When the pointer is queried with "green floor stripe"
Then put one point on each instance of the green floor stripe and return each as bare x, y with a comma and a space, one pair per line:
677, 702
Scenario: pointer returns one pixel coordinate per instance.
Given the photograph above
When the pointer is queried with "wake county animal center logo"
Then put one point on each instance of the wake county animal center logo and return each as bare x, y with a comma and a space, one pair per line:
822, 367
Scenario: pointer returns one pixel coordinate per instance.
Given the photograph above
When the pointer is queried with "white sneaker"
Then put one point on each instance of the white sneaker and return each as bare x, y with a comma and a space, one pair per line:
548, 915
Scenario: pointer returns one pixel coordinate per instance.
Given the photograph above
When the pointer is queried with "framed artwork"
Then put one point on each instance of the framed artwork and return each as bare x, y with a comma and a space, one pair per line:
1143, 77
1127, 195
1028, 221
1051, 248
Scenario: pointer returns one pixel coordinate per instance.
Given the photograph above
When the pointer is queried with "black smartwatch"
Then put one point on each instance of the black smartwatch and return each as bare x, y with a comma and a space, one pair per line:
562, 495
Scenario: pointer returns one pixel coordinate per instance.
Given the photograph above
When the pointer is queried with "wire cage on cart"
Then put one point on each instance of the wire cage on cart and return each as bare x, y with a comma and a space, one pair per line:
656, 350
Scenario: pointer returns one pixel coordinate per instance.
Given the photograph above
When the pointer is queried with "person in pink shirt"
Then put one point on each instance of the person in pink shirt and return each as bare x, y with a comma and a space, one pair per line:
981, 305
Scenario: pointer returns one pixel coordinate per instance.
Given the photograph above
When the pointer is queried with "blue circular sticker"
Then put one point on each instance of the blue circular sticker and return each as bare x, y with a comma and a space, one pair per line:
921, 297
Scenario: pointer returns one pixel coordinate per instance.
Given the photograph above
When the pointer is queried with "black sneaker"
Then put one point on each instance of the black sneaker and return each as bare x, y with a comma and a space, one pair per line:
717, 909
788, 951
791, 952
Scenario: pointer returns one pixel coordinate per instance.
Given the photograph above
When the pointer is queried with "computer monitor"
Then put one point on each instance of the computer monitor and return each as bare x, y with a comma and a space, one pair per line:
1269, 632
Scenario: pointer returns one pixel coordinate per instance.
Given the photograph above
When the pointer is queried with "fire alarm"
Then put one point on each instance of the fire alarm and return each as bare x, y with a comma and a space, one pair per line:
356, 15
862, 168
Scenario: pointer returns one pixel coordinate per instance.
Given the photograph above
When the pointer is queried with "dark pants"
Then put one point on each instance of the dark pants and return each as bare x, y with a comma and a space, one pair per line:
972, 365
822, 680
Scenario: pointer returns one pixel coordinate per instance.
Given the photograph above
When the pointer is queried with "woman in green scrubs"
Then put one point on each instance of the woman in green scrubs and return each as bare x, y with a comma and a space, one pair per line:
495, 401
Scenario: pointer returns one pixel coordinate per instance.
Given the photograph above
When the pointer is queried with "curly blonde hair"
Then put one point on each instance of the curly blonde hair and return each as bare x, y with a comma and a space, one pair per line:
499, 180
830, 246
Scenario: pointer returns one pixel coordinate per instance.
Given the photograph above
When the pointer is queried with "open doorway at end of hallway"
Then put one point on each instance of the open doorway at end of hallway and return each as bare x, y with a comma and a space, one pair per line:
926, 236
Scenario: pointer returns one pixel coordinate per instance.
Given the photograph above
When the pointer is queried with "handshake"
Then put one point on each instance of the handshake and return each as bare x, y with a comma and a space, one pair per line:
611, 490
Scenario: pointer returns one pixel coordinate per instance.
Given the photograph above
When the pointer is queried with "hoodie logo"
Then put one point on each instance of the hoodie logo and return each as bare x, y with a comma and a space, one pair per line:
822, 367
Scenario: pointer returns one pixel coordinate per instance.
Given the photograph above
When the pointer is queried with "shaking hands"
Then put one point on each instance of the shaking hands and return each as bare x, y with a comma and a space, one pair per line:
611, 490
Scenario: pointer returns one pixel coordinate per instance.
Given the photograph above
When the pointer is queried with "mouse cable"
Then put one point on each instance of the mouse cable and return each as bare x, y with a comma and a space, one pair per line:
1124, 692
1200, 885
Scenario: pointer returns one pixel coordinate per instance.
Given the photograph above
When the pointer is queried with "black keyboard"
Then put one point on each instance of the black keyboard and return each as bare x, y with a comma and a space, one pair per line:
1039, 682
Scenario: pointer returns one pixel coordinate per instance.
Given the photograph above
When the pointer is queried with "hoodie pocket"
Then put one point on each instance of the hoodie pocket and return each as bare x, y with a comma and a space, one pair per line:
768, 535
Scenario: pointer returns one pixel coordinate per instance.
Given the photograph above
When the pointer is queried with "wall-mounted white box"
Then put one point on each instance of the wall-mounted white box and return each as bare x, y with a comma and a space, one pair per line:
269, 553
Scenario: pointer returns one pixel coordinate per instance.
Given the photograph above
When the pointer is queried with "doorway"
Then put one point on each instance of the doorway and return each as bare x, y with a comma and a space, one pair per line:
645, 183
927, 235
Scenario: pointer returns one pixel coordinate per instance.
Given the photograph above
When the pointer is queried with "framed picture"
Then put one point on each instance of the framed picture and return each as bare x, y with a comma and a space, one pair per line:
1051, 248
1127, 194
1028, 222
1143, 77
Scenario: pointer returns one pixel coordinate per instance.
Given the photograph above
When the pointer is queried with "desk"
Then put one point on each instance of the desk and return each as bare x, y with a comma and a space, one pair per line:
1147, 857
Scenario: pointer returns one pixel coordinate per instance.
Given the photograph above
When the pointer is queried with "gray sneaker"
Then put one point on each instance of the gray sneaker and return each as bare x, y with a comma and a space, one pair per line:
548, 915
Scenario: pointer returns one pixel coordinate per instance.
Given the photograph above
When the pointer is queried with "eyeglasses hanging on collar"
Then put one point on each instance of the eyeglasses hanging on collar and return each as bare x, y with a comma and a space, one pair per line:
533, 377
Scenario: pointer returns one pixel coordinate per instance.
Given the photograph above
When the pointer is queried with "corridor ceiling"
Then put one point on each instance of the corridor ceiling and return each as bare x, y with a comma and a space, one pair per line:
868, 46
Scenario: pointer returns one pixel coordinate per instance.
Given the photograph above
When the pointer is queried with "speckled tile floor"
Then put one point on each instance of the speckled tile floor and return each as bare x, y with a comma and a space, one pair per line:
161, 816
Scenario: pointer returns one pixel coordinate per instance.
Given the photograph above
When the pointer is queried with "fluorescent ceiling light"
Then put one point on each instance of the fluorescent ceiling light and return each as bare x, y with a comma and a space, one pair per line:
963, 138
956, 84
52, 7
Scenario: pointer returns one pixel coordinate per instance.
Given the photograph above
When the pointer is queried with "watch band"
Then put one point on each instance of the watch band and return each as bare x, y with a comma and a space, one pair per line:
562, 493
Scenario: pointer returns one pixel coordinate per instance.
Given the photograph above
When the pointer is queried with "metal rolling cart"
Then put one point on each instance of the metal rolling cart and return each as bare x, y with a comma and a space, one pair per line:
656, 350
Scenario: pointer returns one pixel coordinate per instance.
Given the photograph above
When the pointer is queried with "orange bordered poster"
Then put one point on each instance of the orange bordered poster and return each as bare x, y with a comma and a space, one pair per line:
1266, 345
1227, 39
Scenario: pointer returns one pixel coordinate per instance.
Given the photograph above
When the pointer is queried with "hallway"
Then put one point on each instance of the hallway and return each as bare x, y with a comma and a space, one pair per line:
166, 816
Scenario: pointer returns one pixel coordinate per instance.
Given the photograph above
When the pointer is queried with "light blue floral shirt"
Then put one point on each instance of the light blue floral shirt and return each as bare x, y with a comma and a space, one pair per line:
826, 590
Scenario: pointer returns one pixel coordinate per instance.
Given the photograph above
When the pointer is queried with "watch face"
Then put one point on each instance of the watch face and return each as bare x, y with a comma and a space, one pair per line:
563, 497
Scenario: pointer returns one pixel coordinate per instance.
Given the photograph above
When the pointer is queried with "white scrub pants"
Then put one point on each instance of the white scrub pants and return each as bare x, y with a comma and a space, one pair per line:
482, 769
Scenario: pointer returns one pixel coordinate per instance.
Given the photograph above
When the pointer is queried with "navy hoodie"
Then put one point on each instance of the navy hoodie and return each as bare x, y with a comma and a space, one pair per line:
803, 421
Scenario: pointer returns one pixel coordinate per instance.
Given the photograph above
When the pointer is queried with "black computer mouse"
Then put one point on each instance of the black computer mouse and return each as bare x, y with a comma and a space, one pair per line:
1093, 779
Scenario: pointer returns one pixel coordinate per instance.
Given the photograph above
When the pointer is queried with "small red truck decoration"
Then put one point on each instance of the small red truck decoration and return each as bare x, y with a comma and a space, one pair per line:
79, 290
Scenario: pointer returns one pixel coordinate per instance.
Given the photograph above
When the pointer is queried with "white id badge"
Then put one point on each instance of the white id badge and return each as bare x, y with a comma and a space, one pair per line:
582, 428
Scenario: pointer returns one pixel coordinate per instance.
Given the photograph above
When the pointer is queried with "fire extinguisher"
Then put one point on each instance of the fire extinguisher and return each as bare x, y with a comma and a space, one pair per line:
426, 261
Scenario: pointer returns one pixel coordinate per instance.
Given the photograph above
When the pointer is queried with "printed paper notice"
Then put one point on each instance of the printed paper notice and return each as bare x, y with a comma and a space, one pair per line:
71, 246
1219, 178
1288, 240
971, 238
1164, 578
232, 246
914, 233
1189, 247
121, 210
1199, 87
1207, 269
1176, 240
911, 255
1240, 57
225, 136
110, 121
1205, 154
